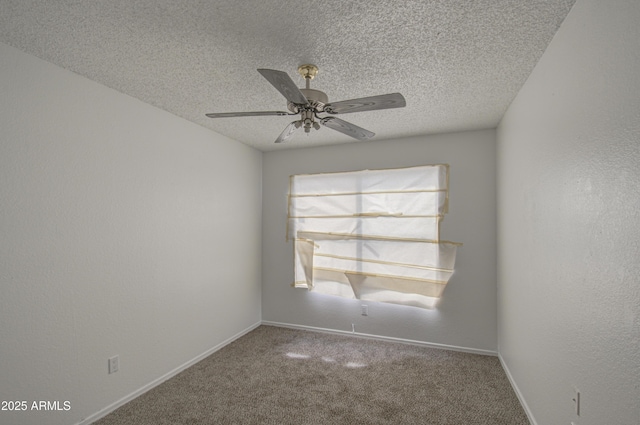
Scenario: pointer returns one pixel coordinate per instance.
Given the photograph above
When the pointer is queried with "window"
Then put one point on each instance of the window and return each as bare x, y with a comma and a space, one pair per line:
372, 235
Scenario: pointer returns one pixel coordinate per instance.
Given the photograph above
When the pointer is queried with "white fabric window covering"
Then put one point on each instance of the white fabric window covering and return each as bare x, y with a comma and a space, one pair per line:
373, 234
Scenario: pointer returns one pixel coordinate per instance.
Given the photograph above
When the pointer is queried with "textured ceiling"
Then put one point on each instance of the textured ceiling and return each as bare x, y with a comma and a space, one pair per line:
458, 63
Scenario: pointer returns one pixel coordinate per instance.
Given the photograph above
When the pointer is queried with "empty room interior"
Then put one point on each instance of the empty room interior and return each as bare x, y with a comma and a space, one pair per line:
138, 235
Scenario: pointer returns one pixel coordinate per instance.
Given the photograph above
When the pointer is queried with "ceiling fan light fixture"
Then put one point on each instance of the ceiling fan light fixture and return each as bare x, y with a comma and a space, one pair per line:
308, 103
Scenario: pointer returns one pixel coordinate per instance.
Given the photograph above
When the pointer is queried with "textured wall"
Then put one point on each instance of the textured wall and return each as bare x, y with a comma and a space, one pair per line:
466, 315
123, 230
569, 222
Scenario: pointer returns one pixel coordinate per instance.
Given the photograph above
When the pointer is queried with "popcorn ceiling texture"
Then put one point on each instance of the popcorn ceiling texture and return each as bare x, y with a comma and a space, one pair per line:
458, 63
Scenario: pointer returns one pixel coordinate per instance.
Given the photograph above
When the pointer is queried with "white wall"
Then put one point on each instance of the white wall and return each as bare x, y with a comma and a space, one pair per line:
569, 222
123, 230
466, 315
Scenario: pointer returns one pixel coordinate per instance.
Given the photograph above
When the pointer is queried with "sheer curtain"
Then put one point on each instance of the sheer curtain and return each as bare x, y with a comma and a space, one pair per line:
373, 234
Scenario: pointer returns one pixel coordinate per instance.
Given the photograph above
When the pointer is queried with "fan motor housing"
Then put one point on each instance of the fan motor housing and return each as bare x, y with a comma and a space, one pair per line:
315, 96
317, 99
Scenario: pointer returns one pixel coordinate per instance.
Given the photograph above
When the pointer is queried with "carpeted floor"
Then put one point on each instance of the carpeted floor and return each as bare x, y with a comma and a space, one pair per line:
282, 376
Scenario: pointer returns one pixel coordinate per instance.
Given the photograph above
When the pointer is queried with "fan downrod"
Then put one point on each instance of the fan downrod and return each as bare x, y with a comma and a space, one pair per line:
316, 98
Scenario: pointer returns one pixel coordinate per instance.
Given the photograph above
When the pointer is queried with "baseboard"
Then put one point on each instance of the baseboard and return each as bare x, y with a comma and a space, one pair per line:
384, 338
104, 412
523, 402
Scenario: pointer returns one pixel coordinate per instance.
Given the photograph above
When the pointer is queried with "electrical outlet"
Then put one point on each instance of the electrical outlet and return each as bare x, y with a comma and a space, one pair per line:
576, 401
365, 310
114, 364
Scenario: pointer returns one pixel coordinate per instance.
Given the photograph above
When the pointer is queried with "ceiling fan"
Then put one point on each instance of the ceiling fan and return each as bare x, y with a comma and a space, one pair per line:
308, 103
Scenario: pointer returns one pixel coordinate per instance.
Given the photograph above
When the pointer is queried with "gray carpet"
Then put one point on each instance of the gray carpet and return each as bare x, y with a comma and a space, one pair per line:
282, 376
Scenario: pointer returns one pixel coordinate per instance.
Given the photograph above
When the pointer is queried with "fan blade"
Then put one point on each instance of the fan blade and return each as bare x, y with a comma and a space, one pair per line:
383, 101
288, 131
285, 85
247, 114
347, 128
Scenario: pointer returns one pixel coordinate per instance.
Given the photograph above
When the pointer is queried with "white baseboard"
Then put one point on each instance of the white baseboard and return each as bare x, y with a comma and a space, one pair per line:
104, 412
523, 402
384, 338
